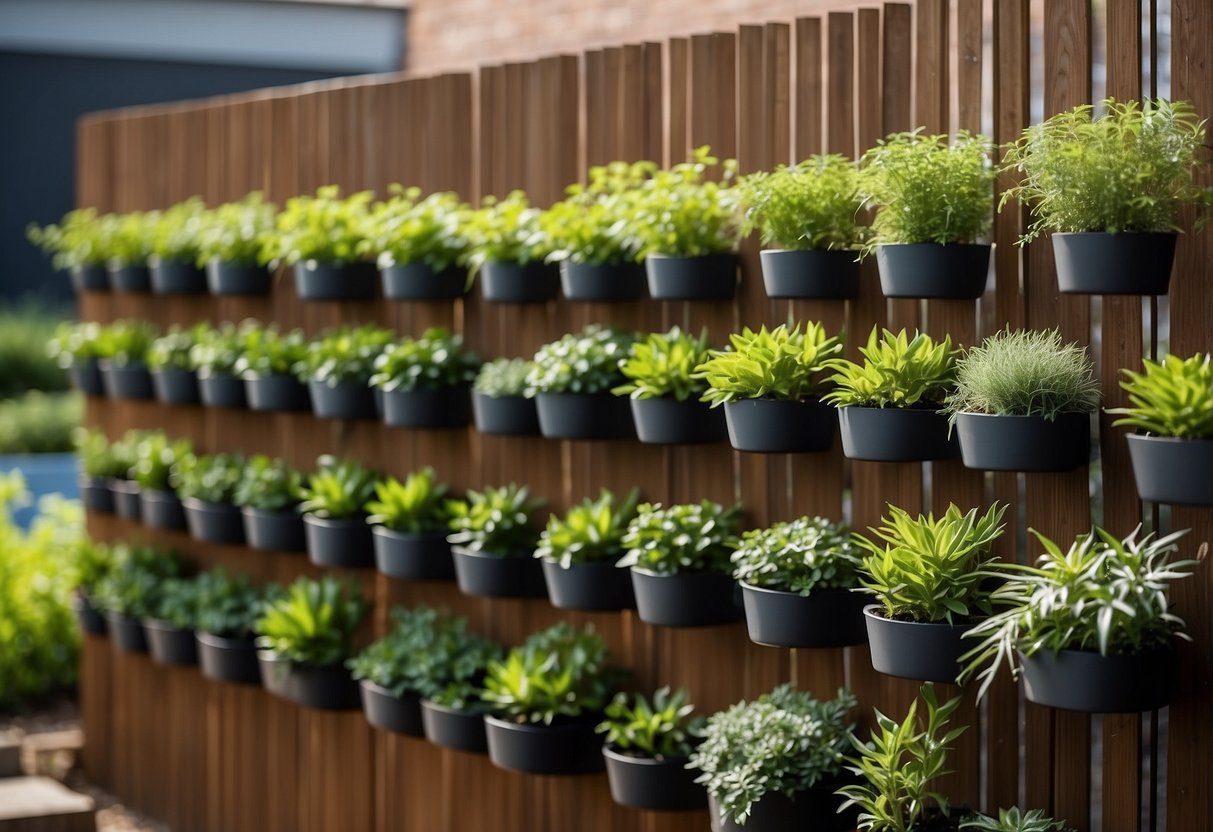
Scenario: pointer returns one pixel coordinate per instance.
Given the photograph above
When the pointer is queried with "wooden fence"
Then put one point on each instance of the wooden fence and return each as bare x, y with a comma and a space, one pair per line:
205, 756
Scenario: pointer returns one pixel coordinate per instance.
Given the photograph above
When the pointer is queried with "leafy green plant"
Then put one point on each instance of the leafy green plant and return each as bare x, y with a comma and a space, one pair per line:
325, 228
591, 532
664, 729
75, 343
176, 231
584, 362
131, 587
506, 231
79, 239
174, 350
176, 603
688, 210
435, 360
238, 232
503, 377
89, 563
156, 458
1173, 397
694, 537
125, 453
1016, 820
313, 622
811, 206
407, 228
98, 458
39, 423
217, 349
590, 225
1130, 170
269, 484
128, 237
496, 521
896, 372
267, 352
125, 343
345, 355
339, 490
419, 505
211, 478
228, 606
664, 364
800, 556
782, 363
782, 743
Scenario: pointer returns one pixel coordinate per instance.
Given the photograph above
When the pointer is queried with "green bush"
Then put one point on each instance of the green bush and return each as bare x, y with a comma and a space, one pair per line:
79, 239
435, 360
238, 232
410, 229
26, 358
685, 211
812, 206
506, 231
800, 556
40, 423
581, 362
590, 225
664, 364
696, 537
782, 363
1173, 397
325, 228
503, 377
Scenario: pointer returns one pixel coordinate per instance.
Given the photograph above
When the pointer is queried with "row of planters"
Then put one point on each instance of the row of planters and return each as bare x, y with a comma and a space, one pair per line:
1108, 189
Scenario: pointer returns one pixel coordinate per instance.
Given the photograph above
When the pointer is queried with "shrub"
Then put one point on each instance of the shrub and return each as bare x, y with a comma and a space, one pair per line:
79, 239
268, 352
800, 556
496, 521
419, 505
325, 228
40, 423
269, 484
313, 622
684, 211
664, 729
175, 233
174, 349
585, 362
1173, 398
506, 231
132, 587
339, 490
239, 232
435, 360
696, 537
72, 344
664, 364
409, 229
896, 372
812, 206
503, 377
217, 349
228, 606
30, 348
783, 363
591, 224
211, 478
126, 343
591, 532
156, 458
345, 355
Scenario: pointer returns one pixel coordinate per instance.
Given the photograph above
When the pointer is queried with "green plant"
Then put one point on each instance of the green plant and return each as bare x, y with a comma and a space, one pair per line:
88, 564
590, 225
1016, 820
313, 622
1130, 170
132, 586
496, 521
339, 490
217, 349
324, 228
686, 211
345, 355
506, 231
33, 339
227, 606
800, 556
211, 478
1024, 373
782, 363
559, 672
897, 765
125, 343
1173, 397
79, 239
811, 206
409, 229
591, 532
694, 537
929, 569
896, 372
98, 458
782, 743
175, 349
435, 360
503, 377
664, 364
175, 233
663, 729
584, 362
125, 453
238, 232
269, 484
267, 352
156, 458
39, 423
176, 602
419, 505
73, 343
927, 190
128, 237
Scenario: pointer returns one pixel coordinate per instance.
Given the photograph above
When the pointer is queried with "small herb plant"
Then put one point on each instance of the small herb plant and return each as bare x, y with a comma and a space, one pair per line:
174, 349
345, 355
897, 371
75, 344
176, 231
687, 211
506, 231
325, 228
156, 459
1173, 397
339, 490
503, 377
664, 729
267, 352
238, 232
130, 587
591, 532
90, 563
585, 362
408, 228
419, 505
268, 484
1015, 820
435, 360
782, 743
128, 241
313, 622
591, 224
217, 350
176, 603
125, 453
209, 478
79, 239
126, 343
228, 606
496, 521
800, 556
694, 537
98, 458
811, 206
663, 364
783, 363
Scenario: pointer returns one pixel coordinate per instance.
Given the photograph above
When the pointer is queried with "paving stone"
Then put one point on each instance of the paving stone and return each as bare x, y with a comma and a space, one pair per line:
40, 804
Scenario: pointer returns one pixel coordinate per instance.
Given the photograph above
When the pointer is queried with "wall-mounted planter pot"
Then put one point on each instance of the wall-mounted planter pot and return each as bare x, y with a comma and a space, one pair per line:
812, 275
225, 278
412, 557
515, 283
815, 808
688, 599
326, 688
602, 281
588, 586
177, 277
1095, 263
88, 617
277, 392
231, 660
398, 714
95, 494
90, 278
446, 407
126, 633
161, 509
560, 748
666, 421
342, 543
281, 531
335, 281
1081, 680
85, 376
419, 281
505, 415
771, 426
956, 271
895, 434
827, 618
664, 785
494, 576
176, 386
213, 522
1174, 471
708, 277
136, 278
130, 382
1024, 443
584, 416
345, 400
222, 390
127, 504
168, 645
928, 652
456, 730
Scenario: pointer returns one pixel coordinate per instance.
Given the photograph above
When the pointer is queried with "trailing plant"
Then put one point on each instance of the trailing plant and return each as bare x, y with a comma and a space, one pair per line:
664, 729
239, 232
267, 352
584, 362
800, 556
211, 478
590, 225
174, 349
339, 490
810, 206
269, 484
591, 532
134, 581
664, 364
176, 232
1016, 820
345, 355
506, 231
228, 606
694, 537
783, 363
217, 349
125, 343
409, 229
79, 239
176, 603
496, 521
419, 505
156, 458
896, 372
313, 622
435, 360
74, 344
688, 210
325, 228
503, 377
1173, 397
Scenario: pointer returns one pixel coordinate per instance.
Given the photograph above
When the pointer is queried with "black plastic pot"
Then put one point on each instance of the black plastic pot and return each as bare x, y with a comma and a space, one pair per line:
335, 281
343, 543
126, 634
536, 282
1096, 263
177, 277
505, 415
169, 645
913, 650
602, 281
1081, 680
688, 599
222, 390
664, 785
560, 748
895, 434
224, 278
345, 400
232, 660
161, 509
446, 407
707, 277
456, 730
827, 618
213, 522
815, 808
400, 715
419, 281
956, 271
130, 382
176, 386
127, 504
771, 426
1174, 471
666, 421
814, 275
584, 416
90, 278
86, 377
413, 557
1024, 443
277, 392
492, 576
588, 586
95, 494
89, 618
278, 530
326, 688
130, 278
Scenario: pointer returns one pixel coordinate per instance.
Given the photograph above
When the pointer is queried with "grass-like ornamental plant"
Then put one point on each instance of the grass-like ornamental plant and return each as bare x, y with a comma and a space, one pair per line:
211, 478
694, 537
79, 239
800, 556
1172, 397
325, 228
506, 231
810, 206
346, 354
591, 532
783, 363
582, 362
313, 622
340, 489
157, 458
239, 232
268, 352
228, 606
590, 225
687, 211
503, 377
134, 581
496, 521
664, 364
419, 505
435, 360
664, 728
125, 342
176, 231
74, 344
784, 742
1015, 820
174, 349
897, 371
408, 228
268, 484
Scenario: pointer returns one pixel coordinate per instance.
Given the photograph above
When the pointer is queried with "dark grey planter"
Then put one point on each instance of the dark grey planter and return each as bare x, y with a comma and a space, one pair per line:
446, 407
96, 495
1024, 443
213, 522
589, 586
90, 278
161, 510
342, 543
1081, 680
812, 275
815, 808
91, 621
535, 282
231, 660
666, 421
419, 281
505, 415
412, 557
602, 281
126, 633
560, 748
1097, 263
282, 531
493, 576
688, 599
277, 392
176, 386
168, 645
346, 400
664, 785
584, 416
222, 390
1174, 471
130, 382
456, 730
928, 652
335, 281
772, 426
826, 618
707, 277
326, 688
127, 504
956, 271
400, 715
177, 277
133, 278
86, 377
224, 278
895, 434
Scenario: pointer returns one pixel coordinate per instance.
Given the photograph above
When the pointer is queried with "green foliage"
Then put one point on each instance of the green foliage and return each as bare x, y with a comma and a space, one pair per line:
591, 224
782, 743
410, 229
73, 343
174, 349
79, 239
694, 537
896, 372
176, 231
88, 562
313, 622
125, 343
133, 584
39, 423
591, 532
125, 453
345, 354
1173, 397
267, 352
156, 458
503, 377
325, 228
898, 764
31, 340
212, 478
665, 728
238, 232
176, 603
800, 556
419, 505
1024, 373
581, 362
1016, 820
813, 205
926, 190
98, 458
1130, 170
227, 606
496, 521
339, 490
506, 231
782, 363
217, 349
664, 364
929, 569
435, 360
688, 210
269, 484
128, 237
